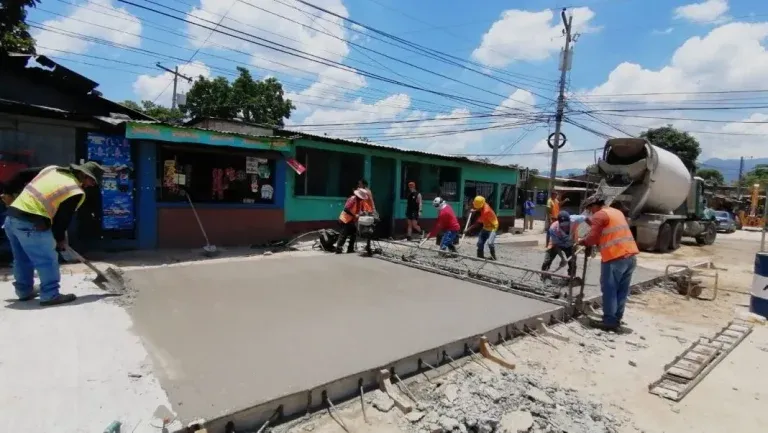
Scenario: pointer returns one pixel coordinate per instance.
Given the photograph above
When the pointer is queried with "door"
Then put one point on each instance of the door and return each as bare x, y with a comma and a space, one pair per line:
383, 189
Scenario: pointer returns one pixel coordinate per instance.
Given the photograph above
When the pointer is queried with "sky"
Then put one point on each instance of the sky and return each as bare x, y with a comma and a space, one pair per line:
446, 76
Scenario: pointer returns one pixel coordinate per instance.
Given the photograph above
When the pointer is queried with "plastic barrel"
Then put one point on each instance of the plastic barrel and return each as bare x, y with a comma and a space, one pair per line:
758, 303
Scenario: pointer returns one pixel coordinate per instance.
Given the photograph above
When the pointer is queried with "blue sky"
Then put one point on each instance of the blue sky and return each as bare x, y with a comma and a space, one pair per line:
651, 49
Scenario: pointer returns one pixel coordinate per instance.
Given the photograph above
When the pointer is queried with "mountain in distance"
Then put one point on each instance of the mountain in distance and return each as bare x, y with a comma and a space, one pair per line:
730, 167
565, 173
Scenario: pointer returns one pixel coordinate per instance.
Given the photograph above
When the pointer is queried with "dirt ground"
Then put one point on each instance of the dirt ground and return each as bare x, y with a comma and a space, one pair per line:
615, 370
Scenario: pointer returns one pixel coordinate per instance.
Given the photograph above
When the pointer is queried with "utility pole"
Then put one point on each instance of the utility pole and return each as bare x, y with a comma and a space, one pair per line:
176, 76
738, 183
565, 65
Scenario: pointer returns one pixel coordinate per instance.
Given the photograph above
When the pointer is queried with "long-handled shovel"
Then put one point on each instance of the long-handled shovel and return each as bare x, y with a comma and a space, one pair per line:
111, 279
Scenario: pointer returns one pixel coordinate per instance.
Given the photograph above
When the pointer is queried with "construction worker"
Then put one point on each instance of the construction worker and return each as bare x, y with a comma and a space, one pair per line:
447, 223
412, 210
363, 184
36, 226
487, 218
356, 203
563, 234
553, 206
610, 233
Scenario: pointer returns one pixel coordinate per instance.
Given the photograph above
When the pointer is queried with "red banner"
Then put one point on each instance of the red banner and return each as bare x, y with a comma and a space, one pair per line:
296, 166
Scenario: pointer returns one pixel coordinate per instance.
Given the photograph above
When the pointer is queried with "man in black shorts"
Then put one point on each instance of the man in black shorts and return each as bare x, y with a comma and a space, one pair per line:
412, 211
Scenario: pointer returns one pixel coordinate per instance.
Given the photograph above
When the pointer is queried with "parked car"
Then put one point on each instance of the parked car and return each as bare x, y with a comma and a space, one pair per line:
725, 222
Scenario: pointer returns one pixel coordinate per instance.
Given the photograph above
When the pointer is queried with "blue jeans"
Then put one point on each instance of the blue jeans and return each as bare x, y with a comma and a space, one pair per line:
615, 278
32, 250
486, 236
447, 241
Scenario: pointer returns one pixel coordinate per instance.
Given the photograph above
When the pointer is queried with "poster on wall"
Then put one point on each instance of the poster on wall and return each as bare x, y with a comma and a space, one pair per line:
114, 153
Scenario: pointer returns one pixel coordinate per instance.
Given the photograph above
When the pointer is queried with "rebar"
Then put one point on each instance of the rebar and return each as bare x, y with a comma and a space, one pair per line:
405, 387
275, 415
362, 400
333, 412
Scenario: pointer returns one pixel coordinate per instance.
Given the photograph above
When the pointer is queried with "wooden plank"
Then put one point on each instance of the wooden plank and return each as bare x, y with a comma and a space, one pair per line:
696, 357
671, 385
738, 328
703, 350
732, 334
691, 366
685, 374
663, 392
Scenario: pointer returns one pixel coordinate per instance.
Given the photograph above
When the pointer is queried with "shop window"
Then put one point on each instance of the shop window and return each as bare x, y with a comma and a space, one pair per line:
328, 173
473, 188
508, 197
431, 180
216, 176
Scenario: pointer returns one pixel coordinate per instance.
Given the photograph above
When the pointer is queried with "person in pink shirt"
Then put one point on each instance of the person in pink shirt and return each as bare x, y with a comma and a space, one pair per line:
446, 223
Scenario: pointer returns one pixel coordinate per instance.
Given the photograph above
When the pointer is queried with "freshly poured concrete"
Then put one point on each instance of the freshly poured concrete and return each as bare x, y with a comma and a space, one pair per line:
229, 335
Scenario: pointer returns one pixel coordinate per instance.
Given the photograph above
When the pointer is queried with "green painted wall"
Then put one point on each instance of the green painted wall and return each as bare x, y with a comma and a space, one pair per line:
308, 208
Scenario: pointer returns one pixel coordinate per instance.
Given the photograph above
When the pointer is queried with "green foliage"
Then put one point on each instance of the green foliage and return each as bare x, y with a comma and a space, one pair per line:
253, 101
680, 143
156, 111
758, 175
14, 31
711, 175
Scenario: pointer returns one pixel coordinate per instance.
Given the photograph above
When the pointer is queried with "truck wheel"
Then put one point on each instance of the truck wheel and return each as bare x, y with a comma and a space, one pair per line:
677, 236
710, 235
665, 238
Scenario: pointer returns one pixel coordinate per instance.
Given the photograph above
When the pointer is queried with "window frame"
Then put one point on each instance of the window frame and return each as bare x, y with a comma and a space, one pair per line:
512, 196
347, 179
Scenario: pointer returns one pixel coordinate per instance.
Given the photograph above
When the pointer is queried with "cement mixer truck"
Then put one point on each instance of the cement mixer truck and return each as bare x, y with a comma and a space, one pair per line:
654, 189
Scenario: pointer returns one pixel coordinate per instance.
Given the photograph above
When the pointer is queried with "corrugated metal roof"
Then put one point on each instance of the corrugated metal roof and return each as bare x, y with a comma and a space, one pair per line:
360, 143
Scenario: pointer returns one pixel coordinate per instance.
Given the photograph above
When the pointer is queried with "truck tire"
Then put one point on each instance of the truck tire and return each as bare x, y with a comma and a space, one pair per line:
709, 235
677, 236
665, 238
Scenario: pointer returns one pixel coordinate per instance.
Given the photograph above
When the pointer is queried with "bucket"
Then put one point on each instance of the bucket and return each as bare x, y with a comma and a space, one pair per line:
758, 303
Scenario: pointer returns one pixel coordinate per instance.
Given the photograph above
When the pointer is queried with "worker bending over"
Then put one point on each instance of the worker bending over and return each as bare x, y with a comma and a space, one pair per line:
610, 233
563, 234
363, 184
36, 226
487, 218
355, 204
412, 210
447, 224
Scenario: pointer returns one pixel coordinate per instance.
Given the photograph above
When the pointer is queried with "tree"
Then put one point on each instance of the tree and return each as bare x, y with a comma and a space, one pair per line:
156, 111
680, 143
758, 175
711, 175
14, 31
253, 101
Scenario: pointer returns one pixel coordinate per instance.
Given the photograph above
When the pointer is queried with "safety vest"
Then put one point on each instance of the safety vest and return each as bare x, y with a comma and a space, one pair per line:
45, 193
489, 219
554, 207
349, 214
616, 240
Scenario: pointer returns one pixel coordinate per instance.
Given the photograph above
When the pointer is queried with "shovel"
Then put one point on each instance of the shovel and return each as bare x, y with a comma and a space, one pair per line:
110, 280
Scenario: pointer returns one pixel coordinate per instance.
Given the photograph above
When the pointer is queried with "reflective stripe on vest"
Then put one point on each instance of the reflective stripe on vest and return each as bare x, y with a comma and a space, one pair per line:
616, 240
348, 215
43, 195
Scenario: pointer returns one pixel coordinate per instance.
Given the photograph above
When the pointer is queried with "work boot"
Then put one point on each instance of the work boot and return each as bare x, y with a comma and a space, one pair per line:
493, 252
59, 299
408, 238
599, 324
339, 250
32, 295
480, 253
350, 249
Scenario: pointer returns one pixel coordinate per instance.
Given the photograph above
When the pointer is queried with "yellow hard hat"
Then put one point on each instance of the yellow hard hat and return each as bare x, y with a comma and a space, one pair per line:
478, 202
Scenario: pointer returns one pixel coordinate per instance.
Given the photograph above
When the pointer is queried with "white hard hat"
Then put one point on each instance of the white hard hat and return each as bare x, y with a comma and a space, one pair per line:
437, 202
361, 194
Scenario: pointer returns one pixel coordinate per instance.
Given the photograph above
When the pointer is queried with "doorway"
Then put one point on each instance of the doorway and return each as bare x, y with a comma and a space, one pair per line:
383, 189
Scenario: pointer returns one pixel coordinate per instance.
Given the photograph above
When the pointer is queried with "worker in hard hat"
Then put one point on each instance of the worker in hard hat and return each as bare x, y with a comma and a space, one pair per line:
36, 226
563, 235
487, 219
611, 234
356, 203
447, 224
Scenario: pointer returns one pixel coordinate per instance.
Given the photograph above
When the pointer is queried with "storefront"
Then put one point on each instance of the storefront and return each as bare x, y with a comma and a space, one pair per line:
235, 182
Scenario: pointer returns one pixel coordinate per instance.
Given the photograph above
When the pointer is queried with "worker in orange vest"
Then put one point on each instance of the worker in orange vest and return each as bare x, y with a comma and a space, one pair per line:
356, 203
487, 219
553, 206
610, 233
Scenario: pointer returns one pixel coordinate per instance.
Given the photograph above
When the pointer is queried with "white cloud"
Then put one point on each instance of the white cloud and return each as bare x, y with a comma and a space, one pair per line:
524, 35
303, 30
666, 31
148, 87
704, 12
359, 111
731, 57
520, 99
124, 30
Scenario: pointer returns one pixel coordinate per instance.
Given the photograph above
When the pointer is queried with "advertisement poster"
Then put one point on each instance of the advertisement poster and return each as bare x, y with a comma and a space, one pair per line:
296, 166
114, 153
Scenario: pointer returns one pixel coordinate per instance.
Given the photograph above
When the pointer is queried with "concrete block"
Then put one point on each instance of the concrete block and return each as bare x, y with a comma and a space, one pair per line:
385, 384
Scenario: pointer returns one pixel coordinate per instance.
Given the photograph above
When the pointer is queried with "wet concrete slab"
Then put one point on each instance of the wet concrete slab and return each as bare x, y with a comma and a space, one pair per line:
230, 335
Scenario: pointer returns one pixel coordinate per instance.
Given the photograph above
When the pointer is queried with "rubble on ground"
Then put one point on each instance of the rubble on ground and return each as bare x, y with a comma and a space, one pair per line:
504, 402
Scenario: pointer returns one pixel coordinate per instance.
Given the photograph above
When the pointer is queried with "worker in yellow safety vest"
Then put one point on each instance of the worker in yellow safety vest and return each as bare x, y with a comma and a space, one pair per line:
36, 226
611, 234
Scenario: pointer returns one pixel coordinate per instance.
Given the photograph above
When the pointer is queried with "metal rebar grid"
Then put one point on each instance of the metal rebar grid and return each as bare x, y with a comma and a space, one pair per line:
500, 275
